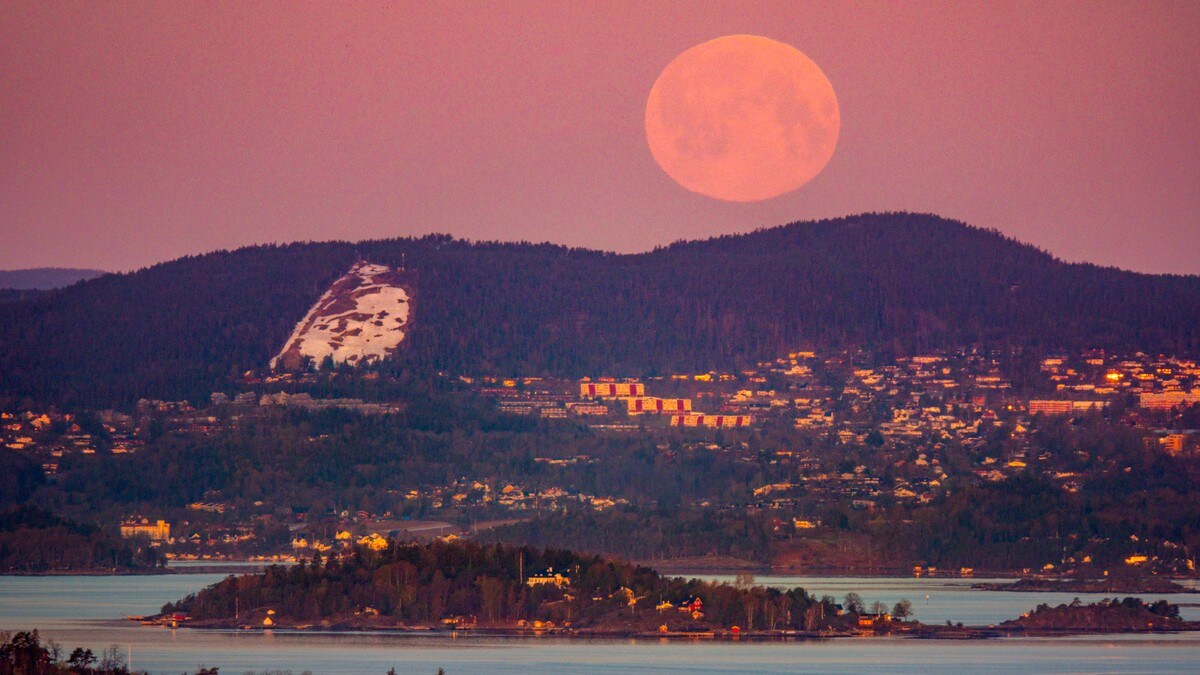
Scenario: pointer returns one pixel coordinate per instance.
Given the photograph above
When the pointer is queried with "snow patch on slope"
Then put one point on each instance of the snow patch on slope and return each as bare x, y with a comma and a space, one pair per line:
363, 317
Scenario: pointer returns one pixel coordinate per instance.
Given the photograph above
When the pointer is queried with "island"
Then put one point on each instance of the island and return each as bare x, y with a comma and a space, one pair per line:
501, 589
1139, 584
463, 585
1107, 616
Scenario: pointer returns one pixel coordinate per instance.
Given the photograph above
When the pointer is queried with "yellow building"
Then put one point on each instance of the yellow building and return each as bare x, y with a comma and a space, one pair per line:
649, 404
1169, 399
1043, 407
157, 531
1173, 443
548, 577
374, 542
611, 389
711, 421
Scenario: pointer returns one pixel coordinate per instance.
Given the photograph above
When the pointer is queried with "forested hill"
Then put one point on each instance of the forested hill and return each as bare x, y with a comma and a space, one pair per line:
44, 278
896, 282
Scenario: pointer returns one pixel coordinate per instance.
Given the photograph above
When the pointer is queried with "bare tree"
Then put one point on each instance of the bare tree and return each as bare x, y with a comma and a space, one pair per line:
771, 613
493, 597
814, 618
112, 660
54, 649
750, 605
854, 603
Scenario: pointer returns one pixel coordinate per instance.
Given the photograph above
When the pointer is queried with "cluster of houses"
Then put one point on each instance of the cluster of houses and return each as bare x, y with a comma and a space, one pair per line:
944, 394
901, 420
956, 398
342, 539
195, 542
602, 399
513, 495
48, 436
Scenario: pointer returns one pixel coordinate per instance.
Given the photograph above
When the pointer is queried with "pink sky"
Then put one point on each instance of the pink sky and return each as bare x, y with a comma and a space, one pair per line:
134, 132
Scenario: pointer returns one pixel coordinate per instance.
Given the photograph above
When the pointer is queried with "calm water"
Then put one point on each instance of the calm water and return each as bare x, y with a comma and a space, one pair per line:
87, 611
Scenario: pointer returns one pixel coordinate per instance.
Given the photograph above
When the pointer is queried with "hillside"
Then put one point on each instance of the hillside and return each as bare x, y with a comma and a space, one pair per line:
44, 278
17, 295
894, 282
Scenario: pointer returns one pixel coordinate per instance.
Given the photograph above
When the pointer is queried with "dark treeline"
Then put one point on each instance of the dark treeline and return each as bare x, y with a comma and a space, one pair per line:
897, 282
24, 653
422, 584
33, 541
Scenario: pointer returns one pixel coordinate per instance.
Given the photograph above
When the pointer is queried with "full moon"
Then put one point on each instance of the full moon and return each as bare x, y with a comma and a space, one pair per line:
742, 118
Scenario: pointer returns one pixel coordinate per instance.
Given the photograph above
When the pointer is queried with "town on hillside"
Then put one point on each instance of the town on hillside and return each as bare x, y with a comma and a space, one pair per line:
815, 447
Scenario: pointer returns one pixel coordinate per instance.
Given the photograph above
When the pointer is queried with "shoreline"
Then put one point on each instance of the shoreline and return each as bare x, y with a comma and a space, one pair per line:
148, 572
1150, 586
1011, 582
911, 631
201, 567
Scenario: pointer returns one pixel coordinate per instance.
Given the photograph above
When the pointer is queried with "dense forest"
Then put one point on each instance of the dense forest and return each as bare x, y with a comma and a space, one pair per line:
34, 541
17, 295
894, 282
420, 584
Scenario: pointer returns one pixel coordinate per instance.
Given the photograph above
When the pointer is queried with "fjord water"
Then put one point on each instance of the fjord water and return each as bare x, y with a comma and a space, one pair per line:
89, 611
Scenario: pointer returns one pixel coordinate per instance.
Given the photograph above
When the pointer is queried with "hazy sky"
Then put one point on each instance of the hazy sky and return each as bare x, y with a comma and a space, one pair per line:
135, 132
